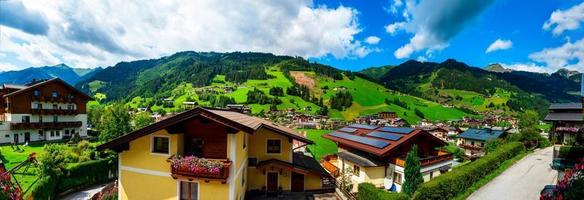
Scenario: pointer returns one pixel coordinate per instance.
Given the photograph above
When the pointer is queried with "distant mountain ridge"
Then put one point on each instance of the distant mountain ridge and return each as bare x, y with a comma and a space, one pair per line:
62, 71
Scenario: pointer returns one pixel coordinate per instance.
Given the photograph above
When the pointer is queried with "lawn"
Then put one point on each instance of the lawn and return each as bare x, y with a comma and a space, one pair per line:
321, 146
11, 158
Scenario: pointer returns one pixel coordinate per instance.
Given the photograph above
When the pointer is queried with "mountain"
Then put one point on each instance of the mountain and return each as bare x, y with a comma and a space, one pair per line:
68, 74
262, 81
455, 83
497, 68
376, 72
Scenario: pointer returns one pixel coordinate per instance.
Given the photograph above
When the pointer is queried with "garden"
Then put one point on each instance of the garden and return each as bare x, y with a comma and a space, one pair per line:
53, 169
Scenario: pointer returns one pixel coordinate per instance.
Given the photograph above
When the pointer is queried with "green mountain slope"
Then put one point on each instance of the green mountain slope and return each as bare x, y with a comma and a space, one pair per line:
376, 72
213, 79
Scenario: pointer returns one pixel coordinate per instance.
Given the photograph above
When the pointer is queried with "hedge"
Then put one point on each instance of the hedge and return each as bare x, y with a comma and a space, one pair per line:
572, 153
368, 191
76, 177
456, 182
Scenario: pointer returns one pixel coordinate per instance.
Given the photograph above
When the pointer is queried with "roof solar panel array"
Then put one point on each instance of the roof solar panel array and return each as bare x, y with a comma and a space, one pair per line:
387, 136
348, 130
363, 126
402, 130
363, 140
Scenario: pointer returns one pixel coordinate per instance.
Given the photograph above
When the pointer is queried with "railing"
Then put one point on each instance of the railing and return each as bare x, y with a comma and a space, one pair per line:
191, 168
42, 125
427, 161
52, 99
471, 147
41, 111
332, 169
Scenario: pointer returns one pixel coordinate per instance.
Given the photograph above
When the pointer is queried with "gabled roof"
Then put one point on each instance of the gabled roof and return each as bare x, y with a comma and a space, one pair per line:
397, 135
12, 86
565, 116
300, 163
361, 159
54, 80
566, 106
481, 134
235, 120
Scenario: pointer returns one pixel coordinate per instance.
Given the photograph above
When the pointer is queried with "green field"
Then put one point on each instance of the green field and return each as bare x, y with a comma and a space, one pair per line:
476, 101
321, 146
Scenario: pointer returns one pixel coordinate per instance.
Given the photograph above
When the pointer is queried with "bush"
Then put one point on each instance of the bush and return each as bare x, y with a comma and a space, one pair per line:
571, 152
87, 174
44, 188
368, 191
456, 182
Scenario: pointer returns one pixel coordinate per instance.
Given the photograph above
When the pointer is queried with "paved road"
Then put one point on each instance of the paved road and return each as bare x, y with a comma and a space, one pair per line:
524, 180
84, 194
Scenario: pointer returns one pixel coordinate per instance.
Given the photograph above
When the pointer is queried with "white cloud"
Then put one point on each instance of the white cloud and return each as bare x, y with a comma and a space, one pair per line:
395, 5
564, 20
433, 23
372, 40
99, 33
569, 55
499, 44
528, 67
7, 67
392, 29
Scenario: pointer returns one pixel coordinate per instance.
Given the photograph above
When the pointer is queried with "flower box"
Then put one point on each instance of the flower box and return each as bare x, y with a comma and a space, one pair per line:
191, 166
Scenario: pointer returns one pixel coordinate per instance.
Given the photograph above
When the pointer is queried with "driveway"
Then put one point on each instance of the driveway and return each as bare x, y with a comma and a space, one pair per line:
524, 180
84, 194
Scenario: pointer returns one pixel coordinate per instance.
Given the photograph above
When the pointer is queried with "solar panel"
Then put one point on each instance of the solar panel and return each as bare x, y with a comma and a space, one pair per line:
363, 126
387, 136
348, 130
403, 130
363, 140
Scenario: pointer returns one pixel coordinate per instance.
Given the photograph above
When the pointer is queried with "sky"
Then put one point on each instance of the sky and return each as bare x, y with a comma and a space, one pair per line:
539, 36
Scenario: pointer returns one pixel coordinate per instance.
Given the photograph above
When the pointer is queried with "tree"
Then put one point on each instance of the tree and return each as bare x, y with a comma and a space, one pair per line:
115, 122
142, 119
413, 176
52, 160
528, 119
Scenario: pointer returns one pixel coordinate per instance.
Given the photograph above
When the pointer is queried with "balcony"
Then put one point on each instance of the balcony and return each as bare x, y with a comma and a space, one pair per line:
471, 147
427, 161
565, 129
191, 167
52, 99
40, 111
44, 125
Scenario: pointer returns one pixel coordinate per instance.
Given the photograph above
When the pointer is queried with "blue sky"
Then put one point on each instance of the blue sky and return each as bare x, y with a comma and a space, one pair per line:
541, 36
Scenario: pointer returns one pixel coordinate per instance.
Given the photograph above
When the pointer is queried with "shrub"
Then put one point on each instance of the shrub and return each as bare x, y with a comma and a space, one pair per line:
44, 188
87, 174
572, 152
453, 183
368, 191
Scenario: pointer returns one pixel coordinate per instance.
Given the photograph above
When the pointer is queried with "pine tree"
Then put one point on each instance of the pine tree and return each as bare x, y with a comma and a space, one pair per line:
413, 176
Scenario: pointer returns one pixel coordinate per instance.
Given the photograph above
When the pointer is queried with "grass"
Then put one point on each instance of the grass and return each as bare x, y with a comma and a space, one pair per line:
321, 146
504, 166
11, 158
476, 101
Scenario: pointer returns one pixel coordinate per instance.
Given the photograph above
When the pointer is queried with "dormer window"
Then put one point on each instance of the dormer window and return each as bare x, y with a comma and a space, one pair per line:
55, 94
37, 93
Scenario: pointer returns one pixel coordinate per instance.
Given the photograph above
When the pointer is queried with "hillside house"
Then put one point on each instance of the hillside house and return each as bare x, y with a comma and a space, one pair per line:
214, 154
376, 154
473, 141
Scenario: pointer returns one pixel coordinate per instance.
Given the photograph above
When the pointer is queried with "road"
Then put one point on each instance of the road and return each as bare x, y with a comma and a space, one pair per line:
523, 180
84, 194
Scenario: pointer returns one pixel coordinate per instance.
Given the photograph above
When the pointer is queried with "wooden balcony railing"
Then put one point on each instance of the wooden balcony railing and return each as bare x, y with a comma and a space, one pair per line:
427, 161
53, 111
182, 168
471, 147
61, 99
332, 169
44, 125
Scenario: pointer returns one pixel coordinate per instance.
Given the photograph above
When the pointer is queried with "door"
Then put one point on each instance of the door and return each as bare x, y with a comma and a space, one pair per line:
297, 182
16, 138
27, 137
272, 181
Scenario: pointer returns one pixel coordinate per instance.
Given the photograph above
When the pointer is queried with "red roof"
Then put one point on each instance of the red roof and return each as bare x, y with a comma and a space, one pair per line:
385, 151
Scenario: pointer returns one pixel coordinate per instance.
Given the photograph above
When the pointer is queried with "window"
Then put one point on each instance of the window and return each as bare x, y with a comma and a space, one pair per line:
55, 106
25, 119
39, 106
252, 162
70, 107
40, 119
160, 145
243, 177
273, 146
55, 118
66, 132
356, 170
52, 133
55, 94
189, 191
244, 140
397, 178
58, 133
7, 136
472, 143
41, 133
431, 175
37, 93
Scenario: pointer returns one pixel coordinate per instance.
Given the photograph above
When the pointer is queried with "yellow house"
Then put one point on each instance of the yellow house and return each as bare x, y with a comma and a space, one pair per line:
214, 154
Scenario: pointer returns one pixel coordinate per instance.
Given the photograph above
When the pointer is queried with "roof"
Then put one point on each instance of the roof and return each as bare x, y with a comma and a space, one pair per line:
564, 117
27, 88
300, 162
377, 140
11, 86
360, 159
566, 106
481, 134
235, 120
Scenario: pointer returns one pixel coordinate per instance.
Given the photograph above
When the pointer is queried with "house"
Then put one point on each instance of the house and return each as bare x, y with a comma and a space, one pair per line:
567, 121
239, 108
473, 140
187, 105
376, 154
387, 115
231, 155
42, 110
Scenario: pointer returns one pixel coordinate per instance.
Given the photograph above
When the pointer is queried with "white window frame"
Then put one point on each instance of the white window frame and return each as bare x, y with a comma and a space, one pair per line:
178, 191
152, 145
